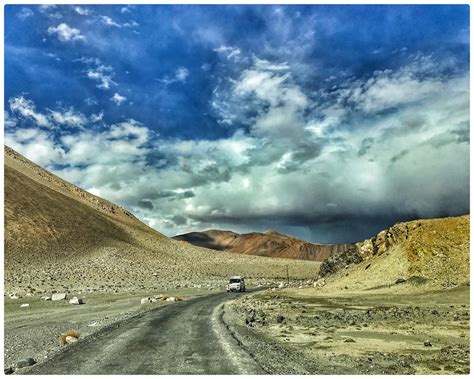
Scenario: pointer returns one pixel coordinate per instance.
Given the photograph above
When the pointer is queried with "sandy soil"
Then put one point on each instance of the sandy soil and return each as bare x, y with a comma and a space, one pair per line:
403, 331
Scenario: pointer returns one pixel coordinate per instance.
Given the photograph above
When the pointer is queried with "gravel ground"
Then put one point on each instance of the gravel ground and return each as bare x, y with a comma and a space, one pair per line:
34, 331
364, 333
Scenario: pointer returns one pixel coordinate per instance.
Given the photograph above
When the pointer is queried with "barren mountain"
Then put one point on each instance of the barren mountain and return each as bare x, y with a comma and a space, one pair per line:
433, 252
59, 236
270, 244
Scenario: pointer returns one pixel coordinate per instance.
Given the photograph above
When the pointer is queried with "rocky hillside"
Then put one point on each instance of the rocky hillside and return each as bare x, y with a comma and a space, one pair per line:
434, 251
58, 236
270, 244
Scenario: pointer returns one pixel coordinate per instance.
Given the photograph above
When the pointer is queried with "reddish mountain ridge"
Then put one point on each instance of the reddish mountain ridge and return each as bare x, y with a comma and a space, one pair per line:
270, 244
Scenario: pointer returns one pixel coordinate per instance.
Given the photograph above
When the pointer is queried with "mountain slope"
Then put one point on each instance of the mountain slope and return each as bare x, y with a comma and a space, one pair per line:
270, 244
433, 251
58, 236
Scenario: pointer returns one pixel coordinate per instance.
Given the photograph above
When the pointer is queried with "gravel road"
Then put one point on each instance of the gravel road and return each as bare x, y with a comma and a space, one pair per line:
183, 338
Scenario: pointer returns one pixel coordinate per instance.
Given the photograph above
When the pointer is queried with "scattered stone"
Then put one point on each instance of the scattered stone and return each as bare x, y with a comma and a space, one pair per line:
76, 301
59, 296
8, 370
280, 319
71, 339
145, 300
26, 305
25, 363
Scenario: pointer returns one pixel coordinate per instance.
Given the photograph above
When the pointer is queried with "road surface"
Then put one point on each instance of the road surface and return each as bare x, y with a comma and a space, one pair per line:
182, 338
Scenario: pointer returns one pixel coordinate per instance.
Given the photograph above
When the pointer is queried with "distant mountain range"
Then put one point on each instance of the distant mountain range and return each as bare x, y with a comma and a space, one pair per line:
269, 243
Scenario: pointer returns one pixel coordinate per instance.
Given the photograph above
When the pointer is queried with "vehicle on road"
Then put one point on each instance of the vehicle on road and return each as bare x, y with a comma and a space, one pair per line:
236, 283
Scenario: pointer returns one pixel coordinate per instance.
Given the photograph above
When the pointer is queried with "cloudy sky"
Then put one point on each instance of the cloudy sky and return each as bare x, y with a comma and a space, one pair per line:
325, 122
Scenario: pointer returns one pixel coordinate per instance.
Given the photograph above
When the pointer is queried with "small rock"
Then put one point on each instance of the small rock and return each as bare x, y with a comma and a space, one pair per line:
59, 296
349, 340
76, 301
14, 297
427, 343
8, 370
26, 305
280, 319
171, 298
25, 363
400, 281
45, 298
145, 300
71, 339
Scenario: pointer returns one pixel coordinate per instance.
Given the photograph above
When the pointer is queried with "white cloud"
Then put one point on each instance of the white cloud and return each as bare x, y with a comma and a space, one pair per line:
68, 117
25, 13
66, 33
106, 20
118, 99
26, 109
82, 11
229, 52
180, 75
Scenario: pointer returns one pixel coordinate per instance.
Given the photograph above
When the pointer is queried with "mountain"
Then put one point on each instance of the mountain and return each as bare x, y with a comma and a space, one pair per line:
431, 251
269, 243
58, 236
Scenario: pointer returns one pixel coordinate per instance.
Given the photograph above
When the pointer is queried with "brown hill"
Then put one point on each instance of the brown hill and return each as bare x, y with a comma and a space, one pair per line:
270, 244
59, 236
433, 252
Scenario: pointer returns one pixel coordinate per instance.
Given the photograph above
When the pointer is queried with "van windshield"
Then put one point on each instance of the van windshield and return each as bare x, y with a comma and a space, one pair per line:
234, 281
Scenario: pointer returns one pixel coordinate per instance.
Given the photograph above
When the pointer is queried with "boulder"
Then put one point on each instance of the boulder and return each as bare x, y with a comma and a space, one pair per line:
58, 296
71, 339
76, 301
171, 298
145, 300
25, 363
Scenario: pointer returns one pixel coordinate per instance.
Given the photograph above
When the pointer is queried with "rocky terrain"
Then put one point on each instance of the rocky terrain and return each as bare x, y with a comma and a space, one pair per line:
60, 237
434, 252
355, 333
270, 244
394, 304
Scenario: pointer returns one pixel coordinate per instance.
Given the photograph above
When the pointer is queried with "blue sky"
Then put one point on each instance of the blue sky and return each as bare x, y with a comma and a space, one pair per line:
326, 122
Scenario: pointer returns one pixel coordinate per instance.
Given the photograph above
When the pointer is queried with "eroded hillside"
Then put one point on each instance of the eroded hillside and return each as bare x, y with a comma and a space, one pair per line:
58, 236
270, 244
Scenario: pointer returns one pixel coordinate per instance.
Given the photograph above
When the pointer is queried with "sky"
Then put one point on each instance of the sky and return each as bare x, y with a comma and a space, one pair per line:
329, 123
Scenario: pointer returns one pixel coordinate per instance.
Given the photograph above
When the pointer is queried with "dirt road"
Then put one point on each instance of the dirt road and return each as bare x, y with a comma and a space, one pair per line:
184, 338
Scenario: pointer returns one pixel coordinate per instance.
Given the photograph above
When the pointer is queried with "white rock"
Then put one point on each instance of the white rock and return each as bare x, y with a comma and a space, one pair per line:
14, 297
281, 285
45, 298
76, 301
29, 294
24, 305
171, 298
59, 296
145, 300
71, 339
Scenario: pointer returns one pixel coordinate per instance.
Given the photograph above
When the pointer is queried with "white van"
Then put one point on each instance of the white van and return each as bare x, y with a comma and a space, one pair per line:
236, 283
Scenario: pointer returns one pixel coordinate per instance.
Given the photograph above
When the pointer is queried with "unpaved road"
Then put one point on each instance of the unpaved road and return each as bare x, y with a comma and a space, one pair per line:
183, 338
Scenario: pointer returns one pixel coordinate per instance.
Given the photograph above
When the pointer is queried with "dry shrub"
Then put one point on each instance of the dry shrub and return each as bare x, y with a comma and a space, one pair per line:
69, 333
